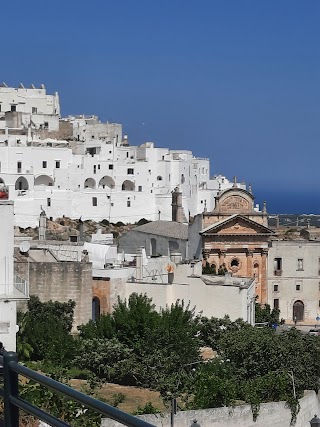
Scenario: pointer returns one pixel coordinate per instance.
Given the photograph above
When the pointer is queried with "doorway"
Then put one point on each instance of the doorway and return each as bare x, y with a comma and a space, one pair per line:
298, 311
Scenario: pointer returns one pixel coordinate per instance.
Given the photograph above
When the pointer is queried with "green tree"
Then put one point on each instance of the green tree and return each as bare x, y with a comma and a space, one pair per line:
103, 327
45, 331
263, 313
108, 359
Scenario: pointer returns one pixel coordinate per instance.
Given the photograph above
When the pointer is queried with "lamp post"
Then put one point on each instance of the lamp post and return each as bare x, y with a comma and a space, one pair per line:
315, 422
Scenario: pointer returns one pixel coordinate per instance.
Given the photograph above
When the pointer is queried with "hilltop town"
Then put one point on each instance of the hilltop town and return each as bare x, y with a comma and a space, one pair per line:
91, 219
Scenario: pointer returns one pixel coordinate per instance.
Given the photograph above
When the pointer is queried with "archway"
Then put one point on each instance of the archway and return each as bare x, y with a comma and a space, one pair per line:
95, 308
127, 186
43, 180
298, 311
2, 181
106, 181
90, 183
21, 184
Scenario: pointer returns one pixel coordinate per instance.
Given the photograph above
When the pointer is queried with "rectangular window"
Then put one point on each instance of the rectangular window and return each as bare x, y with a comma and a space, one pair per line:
13, 108
130, 171
277, 266
19, 167
110, 166
276, 303
140, 188
0, 107
275, 288
58, 163
44, 164
94, 201
300, 264
128, 203
94, 169
98, 166
298, 286
48, 202
34, 110
46, 125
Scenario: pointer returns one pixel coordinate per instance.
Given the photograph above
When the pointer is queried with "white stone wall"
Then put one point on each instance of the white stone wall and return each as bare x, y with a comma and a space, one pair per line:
26, 99
274, 414
126, 183
211, 300
307, 277
8, 312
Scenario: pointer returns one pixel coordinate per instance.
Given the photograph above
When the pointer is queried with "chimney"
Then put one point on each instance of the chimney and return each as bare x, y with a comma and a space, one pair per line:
42, 225
177, 211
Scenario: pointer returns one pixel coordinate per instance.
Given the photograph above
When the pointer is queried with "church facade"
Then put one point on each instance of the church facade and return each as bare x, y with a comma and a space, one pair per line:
235, 237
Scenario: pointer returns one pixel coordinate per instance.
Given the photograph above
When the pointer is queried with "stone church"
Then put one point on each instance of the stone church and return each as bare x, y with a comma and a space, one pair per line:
235, 237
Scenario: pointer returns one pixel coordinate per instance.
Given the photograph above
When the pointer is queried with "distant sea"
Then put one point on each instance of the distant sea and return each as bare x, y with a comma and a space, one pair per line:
288, 201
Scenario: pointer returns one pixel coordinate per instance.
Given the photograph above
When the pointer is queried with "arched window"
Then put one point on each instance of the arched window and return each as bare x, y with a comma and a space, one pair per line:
159, 178
95, 308
182, 179
21, 184
298, 311
1, 181
256, 270
128, 185
43, 180
173, 245
106, 181
90, 183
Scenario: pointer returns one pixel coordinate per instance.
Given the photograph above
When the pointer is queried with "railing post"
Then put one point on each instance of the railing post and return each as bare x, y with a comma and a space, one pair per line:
11, 412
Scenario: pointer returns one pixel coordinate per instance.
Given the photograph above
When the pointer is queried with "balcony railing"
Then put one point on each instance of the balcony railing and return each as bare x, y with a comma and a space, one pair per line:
21, 285
13, 402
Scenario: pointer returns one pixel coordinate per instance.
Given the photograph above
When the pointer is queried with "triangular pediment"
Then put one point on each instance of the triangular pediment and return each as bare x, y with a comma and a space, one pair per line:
236, 225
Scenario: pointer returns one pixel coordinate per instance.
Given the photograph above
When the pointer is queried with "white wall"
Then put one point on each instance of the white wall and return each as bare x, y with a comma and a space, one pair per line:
274, 414
68, 196
215, 300
7, 301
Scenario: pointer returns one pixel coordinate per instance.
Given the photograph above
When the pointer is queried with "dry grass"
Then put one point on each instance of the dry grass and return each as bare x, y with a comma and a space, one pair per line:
133, 396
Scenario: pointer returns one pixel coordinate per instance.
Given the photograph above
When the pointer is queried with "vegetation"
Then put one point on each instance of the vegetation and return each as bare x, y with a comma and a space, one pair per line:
265, 314
136, 345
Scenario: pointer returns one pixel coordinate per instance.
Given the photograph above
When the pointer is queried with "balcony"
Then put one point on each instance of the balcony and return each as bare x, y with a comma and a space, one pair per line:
277, 273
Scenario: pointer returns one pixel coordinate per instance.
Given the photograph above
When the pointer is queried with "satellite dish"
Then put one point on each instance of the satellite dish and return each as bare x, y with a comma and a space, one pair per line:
24, 247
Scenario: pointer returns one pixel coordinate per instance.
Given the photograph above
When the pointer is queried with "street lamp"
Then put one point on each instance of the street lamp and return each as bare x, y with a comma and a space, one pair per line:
315, 422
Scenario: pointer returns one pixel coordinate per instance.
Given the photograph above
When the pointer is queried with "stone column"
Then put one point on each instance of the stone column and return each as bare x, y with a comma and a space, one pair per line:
263, 276
222, 255
249, 263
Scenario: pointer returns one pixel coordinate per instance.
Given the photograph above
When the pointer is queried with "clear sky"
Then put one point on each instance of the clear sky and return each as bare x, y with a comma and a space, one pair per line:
233, 80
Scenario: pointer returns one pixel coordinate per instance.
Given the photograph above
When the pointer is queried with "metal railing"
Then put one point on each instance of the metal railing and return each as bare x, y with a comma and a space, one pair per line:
10, 368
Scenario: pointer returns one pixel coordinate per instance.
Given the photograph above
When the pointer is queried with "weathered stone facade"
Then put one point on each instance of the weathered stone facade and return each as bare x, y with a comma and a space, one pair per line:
61, 281
235, 237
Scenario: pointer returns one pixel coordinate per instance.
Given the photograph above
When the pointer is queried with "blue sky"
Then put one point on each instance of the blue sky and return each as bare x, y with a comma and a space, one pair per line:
233, 80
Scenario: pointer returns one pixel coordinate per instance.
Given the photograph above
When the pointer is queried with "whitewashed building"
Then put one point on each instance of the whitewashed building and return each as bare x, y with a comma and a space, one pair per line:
80, 167
12, 287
